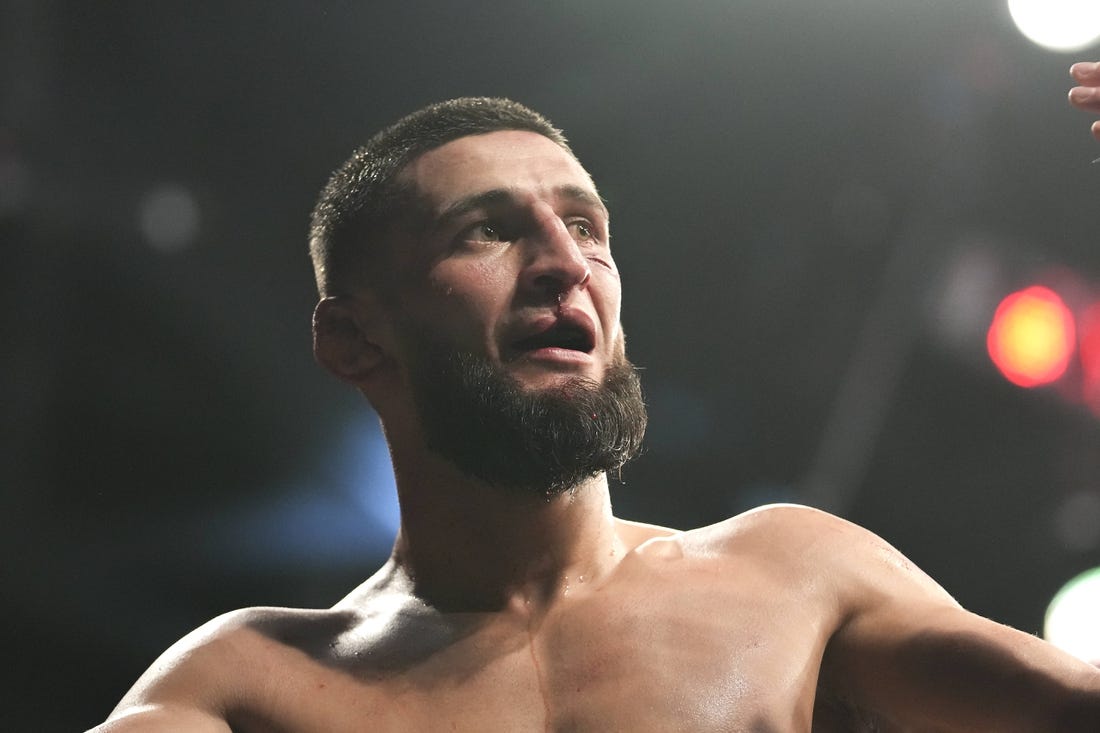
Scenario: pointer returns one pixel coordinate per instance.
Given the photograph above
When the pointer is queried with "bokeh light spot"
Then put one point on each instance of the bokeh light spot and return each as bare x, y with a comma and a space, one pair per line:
1089, 345
1058, 25
1032, 337
1077, 521
1071, 617
169, 218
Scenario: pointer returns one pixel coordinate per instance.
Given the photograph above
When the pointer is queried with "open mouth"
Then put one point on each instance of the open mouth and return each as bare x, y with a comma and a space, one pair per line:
561, 335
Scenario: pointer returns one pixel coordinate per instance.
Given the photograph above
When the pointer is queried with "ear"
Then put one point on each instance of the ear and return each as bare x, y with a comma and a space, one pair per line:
346, 340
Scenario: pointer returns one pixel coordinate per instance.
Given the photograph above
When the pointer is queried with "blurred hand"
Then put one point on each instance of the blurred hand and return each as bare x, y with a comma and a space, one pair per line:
1087, 95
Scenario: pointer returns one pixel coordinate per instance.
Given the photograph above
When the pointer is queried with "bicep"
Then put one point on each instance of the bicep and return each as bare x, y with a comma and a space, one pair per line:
189, 687
162, 719
174, 699
899, 647
919, 659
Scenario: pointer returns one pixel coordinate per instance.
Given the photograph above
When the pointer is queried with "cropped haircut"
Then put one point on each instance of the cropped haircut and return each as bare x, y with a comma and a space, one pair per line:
364, 197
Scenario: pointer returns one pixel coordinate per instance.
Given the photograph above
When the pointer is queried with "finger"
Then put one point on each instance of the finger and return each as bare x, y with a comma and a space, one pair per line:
1086, 98
1096, 129
1086, 72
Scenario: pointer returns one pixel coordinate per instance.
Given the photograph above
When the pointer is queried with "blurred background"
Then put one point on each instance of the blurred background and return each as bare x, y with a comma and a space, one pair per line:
819, 209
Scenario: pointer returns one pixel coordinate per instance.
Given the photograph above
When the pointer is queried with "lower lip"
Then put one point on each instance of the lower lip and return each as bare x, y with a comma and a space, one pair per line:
557, 354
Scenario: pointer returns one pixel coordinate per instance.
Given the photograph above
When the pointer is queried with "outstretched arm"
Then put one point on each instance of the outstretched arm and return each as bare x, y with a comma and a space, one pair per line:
941, 668
901, 653
1086, 95
910, 653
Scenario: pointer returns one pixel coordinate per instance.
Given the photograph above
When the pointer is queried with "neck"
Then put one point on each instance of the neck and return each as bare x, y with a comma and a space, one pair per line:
466, 545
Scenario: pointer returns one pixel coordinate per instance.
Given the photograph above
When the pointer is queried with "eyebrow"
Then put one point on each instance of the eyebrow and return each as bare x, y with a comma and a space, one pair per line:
497, 196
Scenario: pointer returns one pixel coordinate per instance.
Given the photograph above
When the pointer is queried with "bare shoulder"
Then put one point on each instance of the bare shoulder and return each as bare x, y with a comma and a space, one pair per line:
800, 540
784, 529
634, 533
220, 667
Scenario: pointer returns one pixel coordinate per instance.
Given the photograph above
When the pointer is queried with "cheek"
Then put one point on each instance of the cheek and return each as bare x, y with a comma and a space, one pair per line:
619, 351
475, 286
610, 303
468, 298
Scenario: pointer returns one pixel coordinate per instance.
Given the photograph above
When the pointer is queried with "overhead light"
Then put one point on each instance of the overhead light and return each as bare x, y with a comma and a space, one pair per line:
1058, 25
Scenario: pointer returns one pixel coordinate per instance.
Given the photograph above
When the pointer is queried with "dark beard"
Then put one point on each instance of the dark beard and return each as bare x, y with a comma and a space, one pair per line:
542, 442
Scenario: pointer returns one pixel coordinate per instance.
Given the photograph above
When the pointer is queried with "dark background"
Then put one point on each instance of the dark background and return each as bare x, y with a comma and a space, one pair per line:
816, 209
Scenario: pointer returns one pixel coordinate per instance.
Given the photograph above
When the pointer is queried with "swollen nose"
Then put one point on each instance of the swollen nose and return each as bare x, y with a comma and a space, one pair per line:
558, 265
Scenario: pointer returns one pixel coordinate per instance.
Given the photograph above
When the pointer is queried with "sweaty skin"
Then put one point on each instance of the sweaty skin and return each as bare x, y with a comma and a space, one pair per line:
513, 613
717, 629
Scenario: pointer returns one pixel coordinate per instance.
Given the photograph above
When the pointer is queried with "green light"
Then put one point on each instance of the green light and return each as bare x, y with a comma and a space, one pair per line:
1073, 617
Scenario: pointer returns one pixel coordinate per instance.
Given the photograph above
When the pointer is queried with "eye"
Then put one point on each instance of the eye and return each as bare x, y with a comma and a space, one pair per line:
583, 231
484, 232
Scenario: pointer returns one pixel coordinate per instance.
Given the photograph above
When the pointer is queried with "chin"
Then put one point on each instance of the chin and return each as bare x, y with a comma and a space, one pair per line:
539, 379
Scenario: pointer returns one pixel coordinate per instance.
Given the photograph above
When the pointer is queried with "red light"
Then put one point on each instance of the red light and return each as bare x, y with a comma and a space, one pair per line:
1090, 356
1032, 336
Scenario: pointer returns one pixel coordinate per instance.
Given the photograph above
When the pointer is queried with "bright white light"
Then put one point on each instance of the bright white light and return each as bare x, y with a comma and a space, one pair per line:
1071, 622
1059, 25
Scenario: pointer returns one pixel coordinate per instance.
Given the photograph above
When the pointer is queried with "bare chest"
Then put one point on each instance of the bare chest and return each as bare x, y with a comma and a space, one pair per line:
691, 655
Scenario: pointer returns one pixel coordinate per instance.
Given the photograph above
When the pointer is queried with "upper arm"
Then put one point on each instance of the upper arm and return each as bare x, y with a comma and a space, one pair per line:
189, 687
162, 719
906, 650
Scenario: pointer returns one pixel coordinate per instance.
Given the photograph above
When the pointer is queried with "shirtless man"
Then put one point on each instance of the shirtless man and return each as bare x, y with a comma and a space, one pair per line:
468, 291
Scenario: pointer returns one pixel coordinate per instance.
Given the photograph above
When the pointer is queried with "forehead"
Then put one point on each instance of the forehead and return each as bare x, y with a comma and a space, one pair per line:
516, 160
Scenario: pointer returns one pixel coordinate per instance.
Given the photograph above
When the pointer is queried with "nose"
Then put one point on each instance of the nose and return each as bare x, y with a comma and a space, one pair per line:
555, 264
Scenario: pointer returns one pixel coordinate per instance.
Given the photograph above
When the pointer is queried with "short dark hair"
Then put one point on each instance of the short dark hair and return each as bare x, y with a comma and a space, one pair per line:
363, 196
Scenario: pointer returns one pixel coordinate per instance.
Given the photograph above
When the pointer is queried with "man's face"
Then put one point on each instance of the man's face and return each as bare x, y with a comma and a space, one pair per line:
510, 259
508, 313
